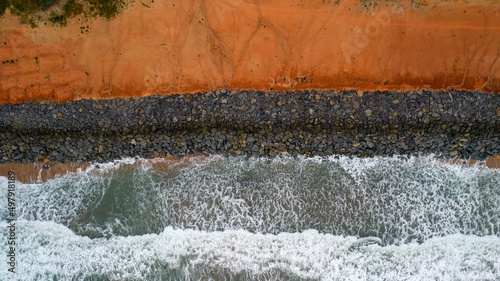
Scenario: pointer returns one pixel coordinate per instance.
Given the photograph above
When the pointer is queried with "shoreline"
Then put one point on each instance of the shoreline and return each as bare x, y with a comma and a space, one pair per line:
454, 124
37, 173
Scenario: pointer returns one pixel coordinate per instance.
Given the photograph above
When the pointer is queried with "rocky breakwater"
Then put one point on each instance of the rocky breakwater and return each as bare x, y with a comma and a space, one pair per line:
252, 123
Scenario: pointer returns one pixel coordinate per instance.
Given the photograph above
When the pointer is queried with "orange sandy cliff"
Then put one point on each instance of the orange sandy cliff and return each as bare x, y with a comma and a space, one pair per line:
188, 46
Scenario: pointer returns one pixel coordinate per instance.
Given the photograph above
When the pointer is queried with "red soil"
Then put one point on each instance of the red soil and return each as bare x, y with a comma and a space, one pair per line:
187, 46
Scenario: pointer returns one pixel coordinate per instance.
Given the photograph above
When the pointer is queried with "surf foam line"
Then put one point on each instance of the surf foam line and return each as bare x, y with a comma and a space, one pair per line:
51, 251
396, 199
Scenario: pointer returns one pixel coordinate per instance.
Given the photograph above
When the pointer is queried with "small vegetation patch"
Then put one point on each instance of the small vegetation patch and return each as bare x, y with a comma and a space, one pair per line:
57, 18
58, 11
3, 6
45, 4
72, 8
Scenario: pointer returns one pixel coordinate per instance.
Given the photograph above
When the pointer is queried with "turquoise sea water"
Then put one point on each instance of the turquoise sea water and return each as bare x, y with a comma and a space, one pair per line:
230, 218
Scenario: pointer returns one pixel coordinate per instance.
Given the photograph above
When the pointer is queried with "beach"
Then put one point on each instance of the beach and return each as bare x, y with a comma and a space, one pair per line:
250, 140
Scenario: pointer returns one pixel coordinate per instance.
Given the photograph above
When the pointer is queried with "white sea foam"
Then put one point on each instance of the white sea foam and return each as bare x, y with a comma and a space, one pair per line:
335, 218
47, 250
396, 199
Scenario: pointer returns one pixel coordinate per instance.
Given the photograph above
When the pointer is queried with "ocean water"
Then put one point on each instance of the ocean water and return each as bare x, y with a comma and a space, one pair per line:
236, 218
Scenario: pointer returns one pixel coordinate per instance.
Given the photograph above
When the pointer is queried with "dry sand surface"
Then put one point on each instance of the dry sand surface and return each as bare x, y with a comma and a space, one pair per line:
187, 46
